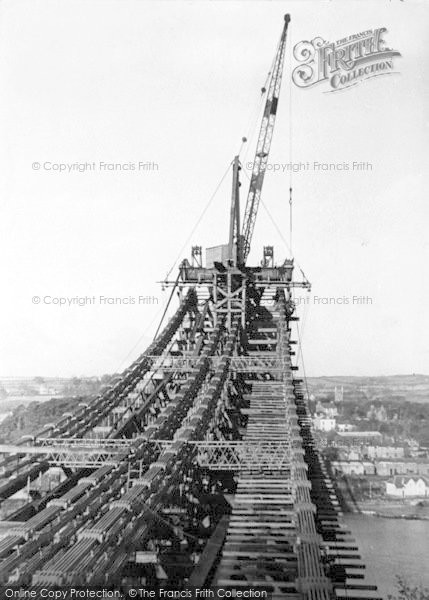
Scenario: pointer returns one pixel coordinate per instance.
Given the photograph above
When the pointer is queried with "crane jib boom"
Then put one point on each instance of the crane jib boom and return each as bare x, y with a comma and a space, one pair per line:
263, 145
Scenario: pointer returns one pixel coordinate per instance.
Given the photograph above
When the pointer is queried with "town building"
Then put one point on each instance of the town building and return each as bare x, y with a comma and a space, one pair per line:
345, 427
408, 487
349, 453
405, 466
353, 467
374, 452
328, 409
377, 414
339, 394
322, 423
358, 438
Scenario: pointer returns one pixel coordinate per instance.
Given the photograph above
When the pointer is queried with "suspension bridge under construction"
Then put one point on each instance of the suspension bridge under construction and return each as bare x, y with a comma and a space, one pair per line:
197, 467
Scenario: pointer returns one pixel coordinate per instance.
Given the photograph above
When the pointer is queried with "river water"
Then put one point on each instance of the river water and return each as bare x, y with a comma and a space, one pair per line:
391, 547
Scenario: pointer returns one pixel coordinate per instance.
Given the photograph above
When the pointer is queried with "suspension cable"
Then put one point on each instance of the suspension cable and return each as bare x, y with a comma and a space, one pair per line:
180, 253
166, 307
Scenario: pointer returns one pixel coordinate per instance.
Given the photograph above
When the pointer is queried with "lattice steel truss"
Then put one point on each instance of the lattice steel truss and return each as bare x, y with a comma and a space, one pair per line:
239, 455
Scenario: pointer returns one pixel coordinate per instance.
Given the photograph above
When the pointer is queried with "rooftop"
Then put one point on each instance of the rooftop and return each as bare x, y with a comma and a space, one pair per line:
401, 481
353, 434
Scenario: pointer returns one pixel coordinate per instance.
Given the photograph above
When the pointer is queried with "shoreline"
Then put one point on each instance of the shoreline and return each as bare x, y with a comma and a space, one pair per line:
406, 512
373, 513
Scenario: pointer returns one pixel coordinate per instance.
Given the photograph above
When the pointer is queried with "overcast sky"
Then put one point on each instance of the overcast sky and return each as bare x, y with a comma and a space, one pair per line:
176, 84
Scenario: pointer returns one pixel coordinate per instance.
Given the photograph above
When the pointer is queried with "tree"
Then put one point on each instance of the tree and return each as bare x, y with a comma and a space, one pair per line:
330, 453
407, 592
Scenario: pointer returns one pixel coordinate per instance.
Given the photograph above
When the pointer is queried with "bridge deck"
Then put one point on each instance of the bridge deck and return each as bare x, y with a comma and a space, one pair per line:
260, 546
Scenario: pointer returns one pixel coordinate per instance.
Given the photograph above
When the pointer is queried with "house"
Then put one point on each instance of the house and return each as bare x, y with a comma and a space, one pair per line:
322, 423
384, 452
368, 467
404, 466
328, 409
356, 438
347, 467
346, 427
377, 414
405, 486
349, 454
353, 467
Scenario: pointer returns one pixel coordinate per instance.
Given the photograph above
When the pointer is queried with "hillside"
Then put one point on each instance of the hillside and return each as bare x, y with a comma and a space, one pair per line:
26, 420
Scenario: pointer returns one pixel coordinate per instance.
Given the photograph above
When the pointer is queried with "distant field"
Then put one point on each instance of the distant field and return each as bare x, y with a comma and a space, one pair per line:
412, 388
413, 379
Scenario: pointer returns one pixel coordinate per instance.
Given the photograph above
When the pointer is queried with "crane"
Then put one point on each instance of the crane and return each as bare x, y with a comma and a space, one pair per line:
263, 147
